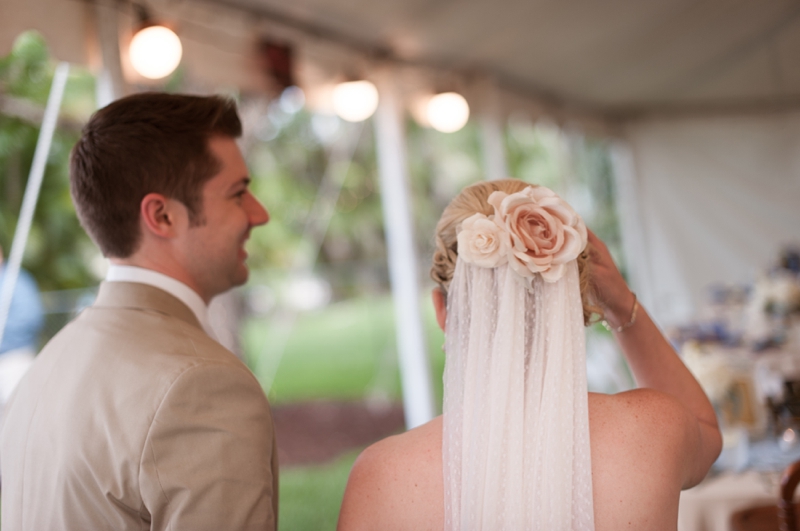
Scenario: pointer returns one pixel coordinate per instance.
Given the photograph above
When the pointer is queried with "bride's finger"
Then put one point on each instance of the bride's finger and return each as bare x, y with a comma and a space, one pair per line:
598, 252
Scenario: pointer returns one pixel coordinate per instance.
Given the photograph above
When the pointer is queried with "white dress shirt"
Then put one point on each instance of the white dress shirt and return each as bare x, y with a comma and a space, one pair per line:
176, 288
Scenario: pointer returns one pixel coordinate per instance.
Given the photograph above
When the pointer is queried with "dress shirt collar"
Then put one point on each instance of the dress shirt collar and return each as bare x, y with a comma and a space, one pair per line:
176, 288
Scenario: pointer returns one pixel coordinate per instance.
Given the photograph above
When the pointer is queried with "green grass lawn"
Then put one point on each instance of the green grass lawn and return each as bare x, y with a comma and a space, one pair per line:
346, 351
310, 496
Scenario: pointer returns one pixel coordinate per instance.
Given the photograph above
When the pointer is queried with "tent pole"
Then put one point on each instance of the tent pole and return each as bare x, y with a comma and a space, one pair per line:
393, 174
32, 191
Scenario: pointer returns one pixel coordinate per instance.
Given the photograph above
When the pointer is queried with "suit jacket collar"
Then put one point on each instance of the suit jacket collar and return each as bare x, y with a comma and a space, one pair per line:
143, 297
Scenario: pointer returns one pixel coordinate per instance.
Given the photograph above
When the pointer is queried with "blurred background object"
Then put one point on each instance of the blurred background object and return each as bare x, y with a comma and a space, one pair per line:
20, 331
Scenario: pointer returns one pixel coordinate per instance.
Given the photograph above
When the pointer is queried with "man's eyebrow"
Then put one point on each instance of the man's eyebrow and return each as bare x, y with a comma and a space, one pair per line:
244, 182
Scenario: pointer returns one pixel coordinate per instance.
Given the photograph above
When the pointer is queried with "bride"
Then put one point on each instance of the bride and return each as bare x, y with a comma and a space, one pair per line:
521, 444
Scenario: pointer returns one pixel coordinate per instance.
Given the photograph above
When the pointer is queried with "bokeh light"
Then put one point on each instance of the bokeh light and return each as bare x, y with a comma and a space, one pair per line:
355, 101
155, 52
448, 112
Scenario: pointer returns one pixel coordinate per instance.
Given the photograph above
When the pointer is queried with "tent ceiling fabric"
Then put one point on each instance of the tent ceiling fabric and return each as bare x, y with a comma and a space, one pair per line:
609, 60
614, 58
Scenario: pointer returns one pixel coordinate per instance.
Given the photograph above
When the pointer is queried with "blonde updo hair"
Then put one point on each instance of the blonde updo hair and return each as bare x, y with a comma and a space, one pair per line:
474, 199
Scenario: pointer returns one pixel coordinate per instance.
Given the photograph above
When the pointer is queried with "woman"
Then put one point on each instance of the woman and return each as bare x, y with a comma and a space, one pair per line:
521, 445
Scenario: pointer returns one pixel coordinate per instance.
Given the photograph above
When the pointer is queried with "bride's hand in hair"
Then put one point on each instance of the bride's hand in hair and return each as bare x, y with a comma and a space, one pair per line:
613, 294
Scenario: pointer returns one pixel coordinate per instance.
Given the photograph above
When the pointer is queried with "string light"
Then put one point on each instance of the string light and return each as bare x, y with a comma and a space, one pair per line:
155, 52
448, 112
355, 101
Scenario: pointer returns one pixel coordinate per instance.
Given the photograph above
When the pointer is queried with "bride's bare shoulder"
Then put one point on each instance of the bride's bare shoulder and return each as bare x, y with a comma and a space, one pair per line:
648, 423
638, 409
643, 443
420, 446
394, 479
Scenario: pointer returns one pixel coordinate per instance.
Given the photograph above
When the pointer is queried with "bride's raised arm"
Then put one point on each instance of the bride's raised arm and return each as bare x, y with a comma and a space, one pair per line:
653, 361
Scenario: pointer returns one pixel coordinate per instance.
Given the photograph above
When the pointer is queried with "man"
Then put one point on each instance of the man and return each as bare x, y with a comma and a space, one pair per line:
132, 417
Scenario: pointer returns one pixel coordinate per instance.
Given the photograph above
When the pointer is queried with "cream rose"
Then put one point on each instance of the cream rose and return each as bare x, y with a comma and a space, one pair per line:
545, 231
483, 242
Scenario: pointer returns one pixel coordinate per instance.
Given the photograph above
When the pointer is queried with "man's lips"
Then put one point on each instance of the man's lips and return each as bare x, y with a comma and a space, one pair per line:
242, 253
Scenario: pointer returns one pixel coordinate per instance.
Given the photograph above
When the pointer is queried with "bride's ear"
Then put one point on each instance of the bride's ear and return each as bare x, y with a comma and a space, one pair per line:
440, 305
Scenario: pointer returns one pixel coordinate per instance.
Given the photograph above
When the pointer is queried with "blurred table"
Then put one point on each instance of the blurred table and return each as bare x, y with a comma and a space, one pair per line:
739, 381
709, 505
747, 474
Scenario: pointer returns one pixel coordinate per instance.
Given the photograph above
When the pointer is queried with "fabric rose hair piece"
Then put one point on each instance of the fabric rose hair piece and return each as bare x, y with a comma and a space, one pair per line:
534, 231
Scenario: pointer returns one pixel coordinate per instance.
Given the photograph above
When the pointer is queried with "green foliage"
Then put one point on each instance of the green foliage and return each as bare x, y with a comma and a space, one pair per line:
440, 165
536, 153
27, 70
595, 175
288, 163
310, 497
58, 250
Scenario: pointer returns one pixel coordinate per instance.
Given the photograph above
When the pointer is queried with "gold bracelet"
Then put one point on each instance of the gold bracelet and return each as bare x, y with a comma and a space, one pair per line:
622, 327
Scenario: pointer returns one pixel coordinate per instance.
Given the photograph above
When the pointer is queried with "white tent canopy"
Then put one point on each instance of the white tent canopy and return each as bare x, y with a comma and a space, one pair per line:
612, 60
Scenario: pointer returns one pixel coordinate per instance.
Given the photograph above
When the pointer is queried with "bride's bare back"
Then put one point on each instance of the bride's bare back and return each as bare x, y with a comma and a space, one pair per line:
646, 444
644, 451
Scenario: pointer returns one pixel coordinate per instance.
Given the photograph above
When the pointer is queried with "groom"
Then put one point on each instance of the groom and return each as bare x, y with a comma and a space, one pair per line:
133, 416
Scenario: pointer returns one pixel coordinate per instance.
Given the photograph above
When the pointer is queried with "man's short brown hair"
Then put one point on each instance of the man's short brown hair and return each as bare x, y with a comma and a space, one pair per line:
141, 144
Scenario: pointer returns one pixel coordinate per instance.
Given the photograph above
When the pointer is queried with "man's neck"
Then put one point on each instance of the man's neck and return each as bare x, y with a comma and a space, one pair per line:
163, 267
128, 273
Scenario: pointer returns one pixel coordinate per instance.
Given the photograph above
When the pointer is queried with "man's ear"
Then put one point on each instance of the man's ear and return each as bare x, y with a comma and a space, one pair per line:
159, 215
440, 305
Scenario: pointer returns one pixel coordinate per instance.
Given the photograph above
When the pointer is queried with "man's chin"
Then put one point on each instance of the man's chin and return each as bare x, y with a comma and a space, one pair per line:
241, 276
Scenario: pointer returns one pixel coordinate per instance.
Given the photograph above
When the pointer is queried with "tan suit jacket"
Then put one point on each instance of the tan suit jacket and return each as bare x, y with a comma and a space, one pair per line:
133, 418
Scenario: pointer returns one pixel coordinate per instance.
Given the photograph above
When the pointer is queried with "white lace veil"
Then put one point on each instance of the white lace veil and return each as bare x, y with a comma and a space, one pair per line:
516, 430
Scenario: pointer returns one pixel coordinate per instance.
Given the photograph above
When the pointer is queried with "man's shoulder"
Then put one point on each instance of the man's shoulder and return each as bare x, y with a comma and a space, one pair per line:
133, 359
132, 345
145, 326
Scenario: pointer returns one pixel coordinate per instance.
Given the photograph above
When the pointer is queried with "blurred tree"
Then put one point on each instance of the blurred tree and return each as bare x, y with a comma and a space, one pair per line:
288, 157
58, 252
290, 151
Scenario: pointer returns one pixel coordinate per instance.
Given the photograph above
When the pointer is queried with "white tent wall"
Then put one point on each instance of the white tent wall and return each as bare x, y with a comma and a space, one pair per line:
717, 198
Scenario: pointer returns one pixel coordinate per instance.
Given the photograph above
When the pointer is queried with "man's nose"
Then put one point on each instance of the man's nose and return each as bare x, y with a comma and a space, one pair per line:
258, 214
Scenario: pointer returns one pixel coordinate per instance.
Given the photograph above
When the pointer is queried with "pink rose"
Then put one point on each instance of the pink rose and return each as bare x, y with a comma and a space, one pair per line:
483, 242
545, 231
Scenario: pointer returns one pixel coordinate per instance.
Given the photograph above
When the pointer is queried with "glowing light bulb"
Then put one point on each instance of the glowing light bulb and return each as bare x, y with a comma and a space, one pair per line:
355, 101
155, 52
448, 112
